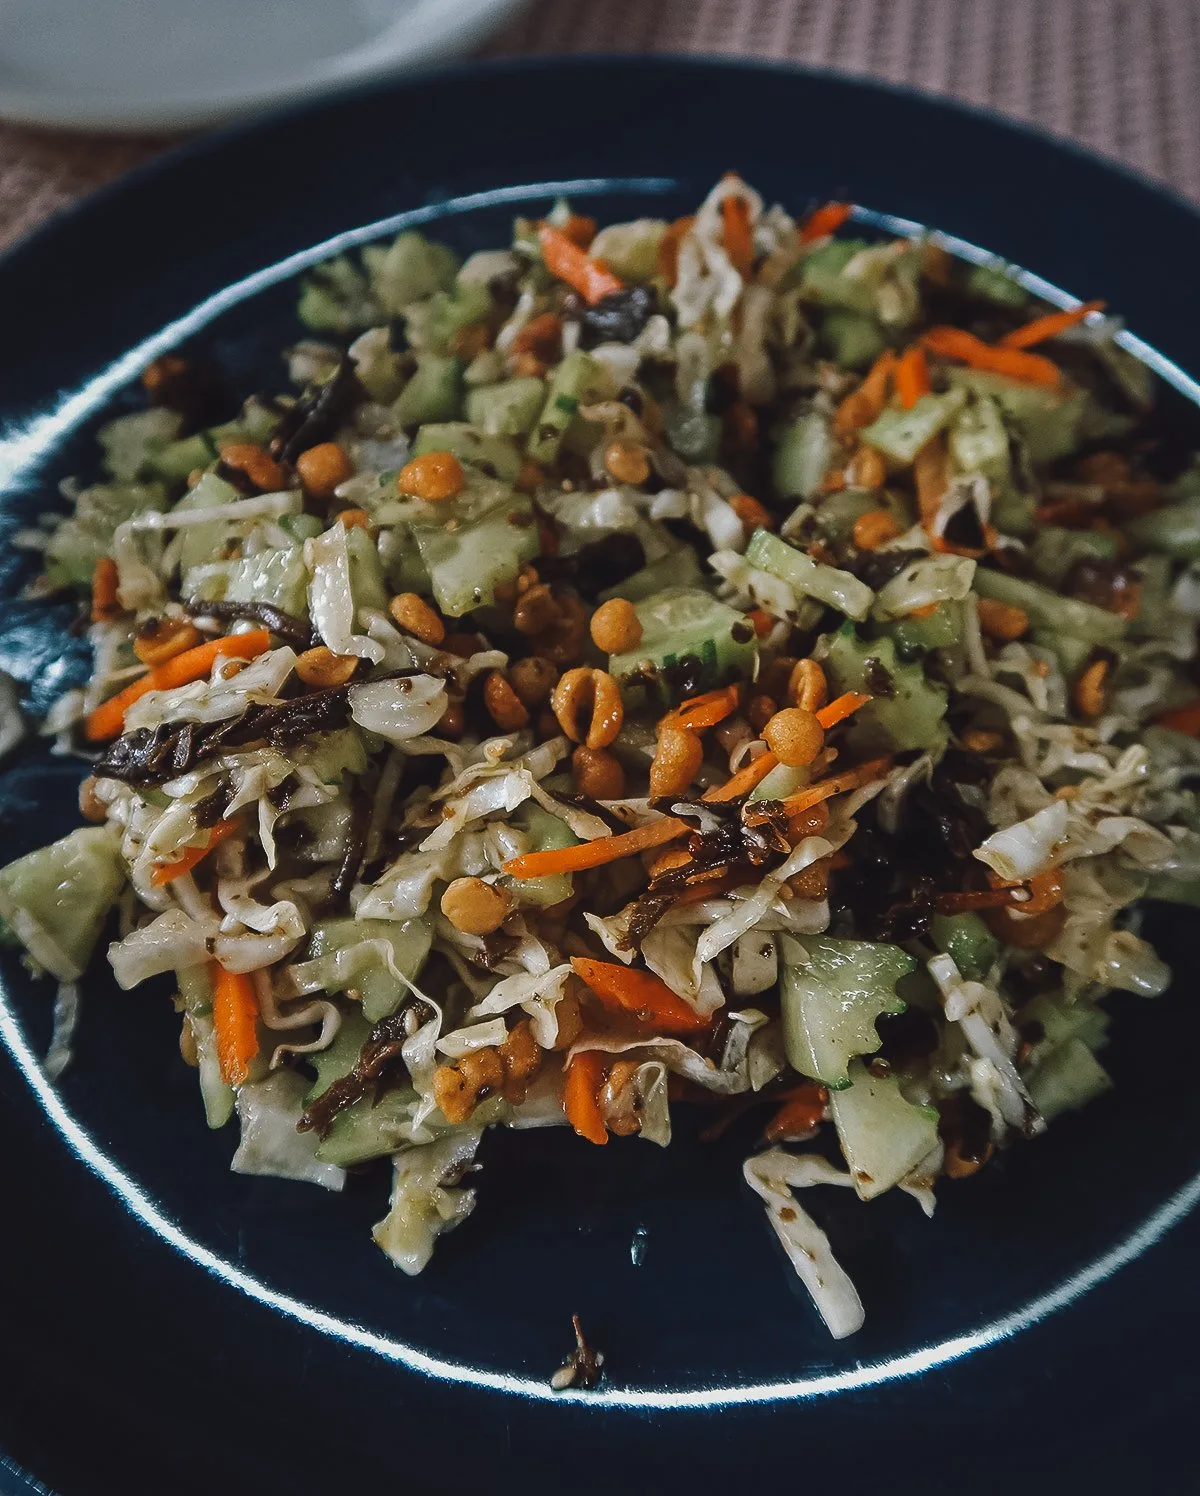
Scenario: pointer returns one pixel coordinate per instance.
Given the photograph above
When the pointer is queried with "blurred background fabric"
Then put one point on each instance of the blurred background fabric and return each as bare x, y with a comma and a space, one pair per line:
1122, 76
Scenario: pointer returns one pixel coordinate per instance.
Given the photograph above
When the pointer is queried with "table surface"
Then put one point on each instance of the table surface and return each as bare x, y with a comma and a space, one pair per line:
1122, 76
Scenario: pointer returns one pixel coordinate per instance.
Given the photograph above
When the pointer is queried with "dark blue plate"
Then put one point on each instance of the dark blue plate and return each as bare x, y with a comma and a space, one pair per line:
169, 1327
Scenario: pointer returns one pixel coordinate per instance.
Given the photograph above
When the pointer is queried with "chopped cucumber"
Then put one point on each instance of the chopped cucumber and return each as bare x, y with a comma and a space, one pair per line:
367, 586
507, 409
131, 442
883, 1136
79, 542
1069, 1077
914, 636
802, 456
968, 941
807, 578
497, 456
831, 992
1055, 550
687, 633
569, 385
837, 512
434, 393
911, 717
341, 1056
56, 900
1072, 653
995, 283
979, 441
408, 270
1048, 610
432, 326
1049, 420
175, 461
467, 564
630, 250
200, 545
353, 964
900, 434
1174, 529
852, 339
694, 434
335, 297
402, 564
277, 577
679, 568
822, 280
368, 1129
257, 422
547, 833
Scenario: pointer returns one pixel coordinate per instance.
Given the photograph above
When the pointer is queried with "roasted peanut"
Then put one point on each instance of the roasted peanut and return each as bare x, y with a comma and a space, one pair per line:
977, 740
458, 1089
627, 463
794, 736
533, 679
807, 686
562, 641
588, 706
760, 709
570, 1018
873, 529
959, 1165
161, 639
321, 468
91, 807
414, 615
434, 477
320, 667
753, 515
188, 1049
598, 773
677, 760
616, 628
354, 519
475, 907
1001, 620
535, 610
866, 470
521, 1058
256, 463
453, 721
505, 707
1089, 693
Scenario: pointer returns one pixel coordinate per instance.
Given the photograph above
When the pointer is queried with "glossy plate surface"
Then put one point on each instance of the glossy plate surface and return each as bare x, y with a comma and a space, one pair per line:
170, 1326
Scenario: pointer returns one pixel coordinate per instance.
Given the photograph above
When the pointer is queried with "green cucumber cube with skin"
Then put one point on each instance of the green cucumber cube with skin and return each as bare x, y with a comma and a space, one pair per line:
687, 632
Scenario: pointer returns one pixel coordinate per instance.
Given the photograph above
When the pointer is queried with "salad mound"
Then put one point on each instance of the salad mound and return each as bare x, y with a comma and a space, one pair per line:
724, 662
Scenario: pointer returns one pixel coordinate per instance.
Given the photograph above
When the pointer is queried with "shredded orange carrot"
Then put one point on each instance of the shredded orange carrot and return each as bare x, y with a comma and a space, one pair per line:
1044, 892
866, 403
841, 707
931, 473
567, 262
803, 1109
668, 248
596, 853
743, 781
104, 590
760, 621
699, 712
167, 872
579, 230
235, 1022
1029, 368
824, 789
1048, 326
739, 236
969, 899
581, 1094
193, 664
1182, 719
710, 888
824, 221
912, 376
646, 997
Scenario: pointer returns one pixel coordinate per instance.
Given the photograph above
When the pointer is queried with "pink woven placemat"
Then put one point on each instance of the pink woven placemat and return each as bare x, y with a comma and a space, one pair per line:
1123, 76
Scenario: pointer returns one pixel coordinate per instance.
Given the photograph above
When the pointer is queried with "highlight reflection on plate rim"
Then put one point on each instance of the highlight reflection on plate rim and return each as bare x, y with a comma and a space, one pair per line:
24, 446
